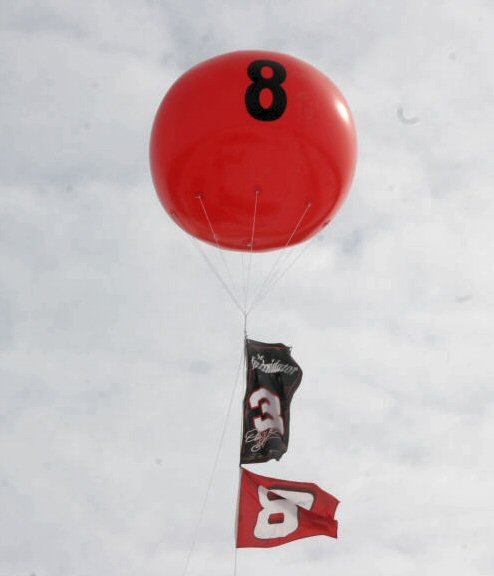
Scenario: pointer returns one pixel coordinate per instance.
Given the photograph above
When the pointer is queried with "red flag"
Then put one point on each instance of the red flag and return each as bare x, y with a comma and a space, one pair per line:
273, 511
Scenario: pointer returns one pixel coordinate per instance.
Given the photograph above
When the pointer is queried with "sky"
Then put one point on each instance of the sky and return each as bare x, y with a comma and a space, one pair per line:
120, 351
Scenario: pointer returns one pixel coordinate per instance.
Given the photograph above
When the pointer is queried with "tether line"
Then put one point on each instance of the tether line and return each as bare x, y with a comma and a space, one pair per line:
274, 269
239, 484
249, 266
282, 273
217, 274
215, 465
215, 237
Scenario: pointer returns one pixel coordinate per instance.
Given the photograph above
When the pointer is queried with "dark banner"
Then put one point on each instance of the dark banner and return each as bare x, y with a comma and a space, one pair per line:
272, 378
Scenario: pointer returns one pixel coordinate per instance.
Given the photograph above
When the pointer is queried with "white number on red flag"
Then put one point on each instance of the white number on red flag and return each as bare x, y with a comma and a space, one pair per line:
279, 516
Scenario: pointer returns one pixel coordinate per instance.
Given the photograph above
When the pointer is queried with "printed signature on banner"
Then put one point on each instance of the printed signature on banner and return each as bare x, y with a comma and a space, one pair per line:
258, 438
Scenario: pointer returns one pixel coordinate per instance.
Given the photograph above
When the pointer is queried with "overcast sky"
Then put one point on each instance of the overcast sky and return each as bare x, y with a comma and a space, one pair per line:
119, 348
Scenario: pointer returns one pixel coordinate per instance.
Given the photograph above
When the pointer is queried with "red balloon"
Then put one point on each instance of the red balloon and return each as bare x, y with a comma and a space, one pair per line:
253, 145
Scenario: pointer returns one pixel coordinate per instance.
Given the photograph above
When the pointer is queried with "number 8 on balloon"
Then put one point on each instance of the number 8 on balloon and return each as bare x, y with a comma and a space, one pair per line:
253, 130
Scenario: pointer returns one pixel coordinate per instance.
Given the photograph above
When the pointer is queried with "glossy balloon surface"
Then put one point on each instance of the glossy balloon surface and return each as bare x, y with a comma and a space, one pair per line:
253, 133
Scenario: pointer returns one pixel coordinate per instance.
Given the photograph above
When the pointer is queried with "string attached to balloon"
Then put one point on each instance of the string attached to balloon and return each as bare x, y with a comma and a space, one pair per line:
252, 125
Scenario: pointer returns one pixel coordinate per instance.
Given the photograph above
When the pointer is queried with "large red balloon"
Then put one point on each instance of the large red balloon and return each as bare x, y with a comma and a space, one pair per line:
253, 132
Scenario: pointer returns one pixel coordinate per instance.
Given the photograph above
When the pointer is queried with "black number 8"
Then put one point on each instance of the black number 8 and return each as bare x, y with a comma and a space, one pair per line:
260, 83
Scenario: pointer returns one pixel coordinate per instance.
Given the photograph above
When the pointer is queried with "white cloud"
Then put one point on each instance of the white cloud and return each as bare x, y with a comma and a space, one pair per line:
119, 349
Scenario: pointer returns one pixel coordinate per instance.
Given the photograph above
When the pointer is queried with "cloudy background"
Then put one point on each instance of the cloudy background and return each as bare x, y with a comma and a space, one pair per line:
119, 348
